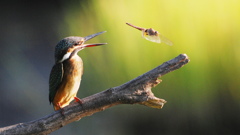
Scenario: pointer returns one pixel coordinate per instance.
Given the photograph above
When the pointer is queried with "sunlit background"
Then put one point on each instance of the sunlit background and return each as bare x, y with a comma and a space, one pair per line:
203, 96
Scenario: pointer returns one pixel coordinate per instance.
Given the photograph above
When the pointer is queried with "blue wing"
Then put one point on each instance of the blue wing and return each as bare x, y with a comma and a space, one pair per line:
55, 80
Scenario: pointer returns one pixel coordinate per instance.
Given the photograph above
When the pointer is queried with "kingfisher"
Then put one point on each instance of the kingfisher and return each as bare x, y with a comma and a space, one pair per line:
66, 73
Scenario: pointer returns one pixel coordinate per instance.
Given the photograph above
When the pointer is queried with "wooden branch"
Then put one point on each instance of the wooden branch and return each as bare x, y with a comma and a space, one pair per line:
136, 91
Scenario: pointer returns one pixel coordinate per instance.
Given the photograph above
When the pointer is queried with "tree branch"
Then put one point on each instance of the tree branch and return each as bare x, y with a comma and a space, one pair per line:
136, 91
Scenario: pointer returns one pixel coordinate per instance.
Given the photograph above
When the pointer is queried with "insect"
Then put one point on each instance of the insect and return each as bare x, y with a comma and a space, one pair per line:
152, 35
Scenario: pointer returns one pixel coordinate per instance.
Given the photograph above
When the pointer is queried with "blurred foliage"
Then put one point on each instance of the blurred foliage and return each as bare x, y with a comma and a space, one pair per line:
207, 31
203, 96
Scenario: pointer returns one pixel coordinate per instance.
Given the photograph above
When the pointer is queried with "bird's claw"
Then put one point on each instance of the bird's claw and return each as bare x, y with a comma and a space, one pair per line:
78, 100
61, 109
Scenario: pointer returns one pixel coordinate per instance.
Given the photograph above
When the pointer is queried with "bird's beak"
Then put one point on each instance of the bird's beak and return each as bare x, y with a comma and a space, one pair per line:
92, 36
92, 45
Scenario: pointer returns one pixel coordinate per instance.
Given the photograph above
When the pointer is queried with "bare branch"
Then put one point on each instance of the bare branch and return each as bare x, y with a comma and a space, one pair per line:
136, 91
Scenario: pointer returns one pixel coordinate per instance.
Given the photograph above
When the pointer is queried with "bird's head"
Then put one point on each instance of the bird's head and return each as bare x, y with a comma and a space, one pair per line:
70, 46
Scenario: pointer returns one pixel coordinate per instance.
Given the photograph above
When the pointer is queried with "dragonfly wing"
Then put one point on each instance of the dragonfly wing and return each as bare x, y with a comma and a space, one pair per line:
152, 38
165, 40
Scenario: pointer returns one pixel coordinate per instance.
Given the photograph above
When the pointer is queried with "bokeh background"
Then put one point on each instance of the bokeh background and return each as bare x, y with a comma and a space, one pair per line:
203, 96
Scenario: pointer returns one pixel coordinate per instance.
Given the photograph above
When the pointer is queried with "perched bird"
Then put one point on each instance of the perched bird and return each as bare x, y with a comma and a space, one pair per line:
152, 35
66, 74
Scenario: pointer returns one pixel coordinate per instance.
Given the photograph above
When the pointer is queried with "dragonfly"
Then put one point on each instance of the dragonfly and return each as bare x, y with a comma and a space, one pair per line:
152, 35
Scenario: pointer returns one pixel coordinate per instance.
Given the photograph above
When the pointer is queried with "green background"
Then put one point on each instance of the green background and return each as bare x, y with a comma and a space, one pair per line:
203, 96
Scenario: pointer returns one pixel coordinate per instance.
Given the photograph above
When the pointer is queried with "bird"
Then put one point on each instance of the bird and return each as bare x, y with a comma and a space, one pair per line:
66, 73
152, 35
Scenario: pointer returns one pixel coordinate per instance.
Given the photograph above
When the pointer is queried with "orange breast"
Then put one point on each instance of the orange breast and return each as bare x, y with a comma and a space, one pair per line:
73, 70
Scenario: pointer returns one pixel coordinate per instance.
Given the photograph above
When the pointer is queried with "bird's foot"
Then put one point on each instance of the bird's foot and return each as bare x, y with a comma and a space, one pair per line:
61, 109
78, 100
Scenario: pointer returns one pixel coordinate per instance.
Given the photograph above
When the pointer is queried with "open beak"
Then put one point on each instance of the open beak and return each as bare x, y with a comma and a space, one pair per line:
92, 36
92, 45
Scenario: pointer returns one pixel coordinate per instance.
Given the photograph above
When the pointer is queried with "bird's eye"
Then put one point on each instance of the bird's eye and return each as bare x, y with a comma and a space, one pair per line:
76, 43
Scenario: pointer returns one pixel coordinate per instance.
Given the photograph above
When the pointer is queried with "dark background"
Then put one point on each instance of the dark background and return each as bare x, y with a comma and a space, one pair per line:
203, 97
